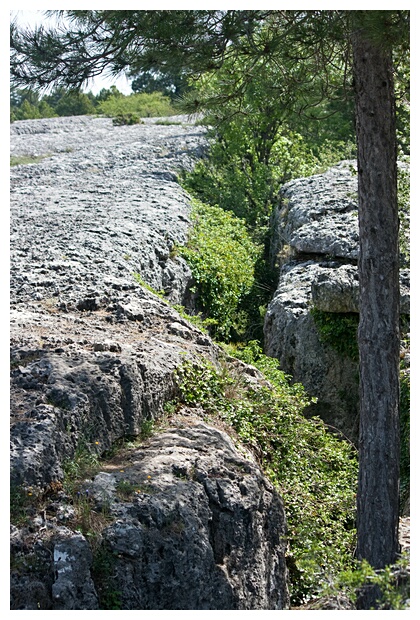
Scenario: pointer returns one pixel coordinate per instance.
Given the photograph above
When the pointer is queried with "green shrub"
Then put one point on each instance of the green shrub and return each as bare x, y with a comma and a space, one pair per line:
139, 104
126, 119
222, 257
405, 436
241, 175
315, 472
404, 213
391, 583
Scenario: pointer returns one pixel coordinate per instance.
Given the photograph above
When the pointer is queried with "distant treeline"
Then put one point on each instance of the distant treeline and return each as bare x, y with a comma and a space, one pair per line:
27, 103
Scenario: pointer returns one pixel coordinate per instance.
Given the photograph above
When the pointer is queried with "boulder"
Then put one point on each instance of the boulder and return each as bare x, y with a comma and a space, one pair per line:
73, 587
184, 520
204, 530
315, 248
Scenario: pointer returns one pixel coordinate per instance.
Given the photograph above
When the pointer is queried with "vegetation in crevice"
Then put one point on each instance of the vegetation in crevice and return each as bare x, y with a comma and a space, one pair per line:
24, 160
339, 331
222, 256
314, 471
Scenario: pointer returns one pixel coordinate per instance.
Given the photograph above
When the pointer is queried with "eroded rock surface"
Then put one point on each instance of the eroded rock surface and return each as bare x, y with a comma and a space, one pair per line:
185, 520
104, 203
315, 246
204, 531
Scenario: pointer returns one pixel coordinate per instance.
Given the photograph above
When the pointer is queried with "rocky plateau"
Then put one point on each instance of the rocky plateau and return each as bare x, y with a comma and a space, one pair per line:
184, 519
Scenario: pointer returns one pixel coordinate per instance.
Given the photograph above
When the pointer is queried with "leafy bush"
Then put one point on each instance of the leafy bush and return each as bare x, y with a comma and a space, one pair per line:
139, 104
126, 119
405, 436
315, 472
243, 173
391, 584
222, 256
404, 213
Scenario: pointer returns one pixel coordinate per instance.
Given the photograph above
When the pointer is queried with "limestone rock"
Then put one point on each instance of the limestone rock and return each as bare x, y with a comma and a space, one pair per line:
204, 529
185, 521
336, 289
315, 248
73, 587
318, 214
105, 203
292, 337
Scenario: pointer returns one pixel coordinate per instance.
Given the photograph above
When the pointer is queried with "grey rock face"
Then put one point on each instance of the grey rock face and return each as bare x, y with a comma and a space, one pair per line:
185, 521
204, 530
76, 387
104, 202
73, 587
315, 246
188, 522
318, 215
336, 289
292, 337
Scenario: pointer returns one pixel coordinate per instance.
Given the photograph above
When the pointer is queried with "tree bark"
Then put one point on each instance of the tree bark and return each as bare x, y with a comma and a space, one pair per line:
378, 487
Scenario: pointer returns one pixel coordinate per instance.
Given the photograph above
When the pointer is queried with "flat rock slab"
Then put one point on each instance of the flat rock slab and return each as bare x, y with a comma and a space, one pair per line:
101, 204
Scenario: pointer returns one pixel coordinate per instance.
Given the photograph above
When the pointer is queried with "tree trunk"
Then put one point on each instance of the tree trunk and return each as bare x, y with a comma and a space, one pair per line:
378, 490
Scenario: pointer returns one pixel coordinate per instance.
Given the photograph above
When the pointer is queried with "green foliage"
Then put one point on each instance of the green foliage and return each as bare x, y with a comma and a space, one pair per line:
138, 104
106, 93
126, 119
26, 104
339, 331
23, 160
71, 103
242, 176
125, 110
103, 568
404, 212
125, 488
390, 583
147, 428
140, 281
23, 502
170, 84
84, 464
315, 472
196, 319
405, 436
221, 256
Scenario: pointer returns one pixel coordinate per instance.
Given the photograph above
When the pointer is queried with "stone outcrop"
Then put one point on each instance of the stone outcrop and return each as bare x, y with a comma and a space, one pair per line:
315, 246
105, 203
204, 532
184, 520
